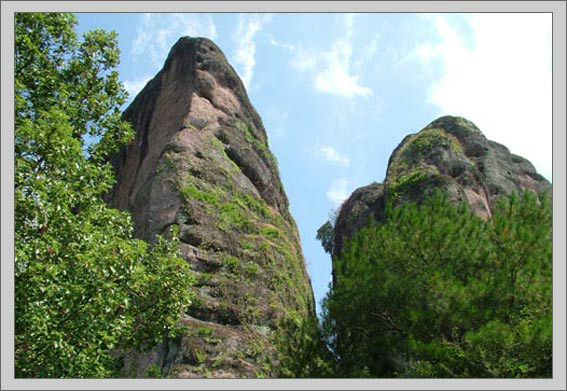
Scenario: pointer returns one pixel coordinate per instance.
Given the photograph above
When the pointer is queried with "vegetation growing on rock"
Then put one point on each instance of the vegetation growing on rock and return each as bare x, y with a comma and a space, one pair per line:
206, 165
418, 146
404, 182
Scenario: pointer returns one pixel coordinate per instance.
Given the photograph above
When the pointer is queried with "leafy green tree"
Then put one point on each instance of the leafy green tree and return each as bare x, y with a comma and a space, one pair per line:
83, 286
435, 291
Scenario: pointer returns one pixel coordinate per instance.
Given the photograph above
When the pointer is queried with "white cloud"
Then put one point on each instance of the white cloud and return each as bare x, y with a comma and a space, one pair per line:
502, 82
136, 85
277, 44
332, 69
339, 191
248, 26
157, 33
330, 154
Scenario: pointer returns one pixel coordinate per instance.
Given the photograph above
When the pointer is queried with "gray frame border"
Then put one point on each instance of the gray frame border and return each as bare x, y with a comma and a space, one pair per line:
558, 8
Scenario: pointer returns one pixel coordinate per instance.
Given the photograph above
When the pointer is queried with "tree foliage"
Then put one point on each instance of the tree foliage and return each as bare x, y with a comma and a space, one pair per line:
326, 234
435, 291
302, 352
83, 285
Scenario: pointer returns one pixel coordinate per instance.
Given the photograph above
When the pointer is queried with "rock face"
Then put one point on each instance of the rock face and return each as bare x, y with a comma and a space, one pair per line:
200, 160
450, 154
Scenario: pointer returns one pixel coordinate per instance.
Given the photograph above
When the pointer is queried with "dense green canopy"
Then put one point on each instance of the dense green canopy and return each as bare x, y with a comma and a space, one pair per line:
436, 291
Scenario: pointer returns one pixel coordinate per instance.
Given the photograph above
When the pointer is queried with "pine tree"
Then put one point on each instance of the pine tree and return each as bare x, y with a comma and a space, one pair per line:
435, 291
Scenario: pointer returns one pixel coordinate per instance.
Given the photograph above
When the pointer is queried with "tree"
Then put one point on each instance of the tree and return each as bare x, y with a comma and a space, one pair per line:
83, 284
326, 234
435, 291
302, 352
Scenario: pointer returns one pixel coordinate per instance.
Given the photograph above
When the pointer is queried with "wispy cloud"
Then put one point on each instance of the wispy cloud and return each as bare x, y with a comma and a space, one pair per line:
287, 46
156, 34
332, 69
339, 191
502, 81
330, 154
248, 26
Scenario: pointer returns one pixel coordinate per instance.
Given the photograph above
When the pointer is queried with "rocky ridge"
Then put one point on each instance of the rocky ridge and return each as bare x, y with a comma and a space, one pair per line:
200, 160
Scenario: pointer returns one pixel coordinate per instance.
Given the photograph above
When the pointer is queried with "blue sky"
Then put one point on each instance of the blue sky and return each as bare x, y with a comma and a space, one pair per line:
338, 92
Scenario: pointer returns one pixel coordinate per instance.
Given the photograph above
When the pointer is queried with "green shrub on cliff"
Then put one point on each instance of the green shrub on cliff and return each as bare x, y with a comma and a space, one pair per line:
435, 291
83, 285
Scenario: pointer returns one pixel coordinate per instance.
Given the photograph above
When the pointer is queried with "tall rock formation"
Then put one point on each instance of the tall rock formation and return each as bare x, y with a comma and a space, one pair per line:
200, 160
450, 154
